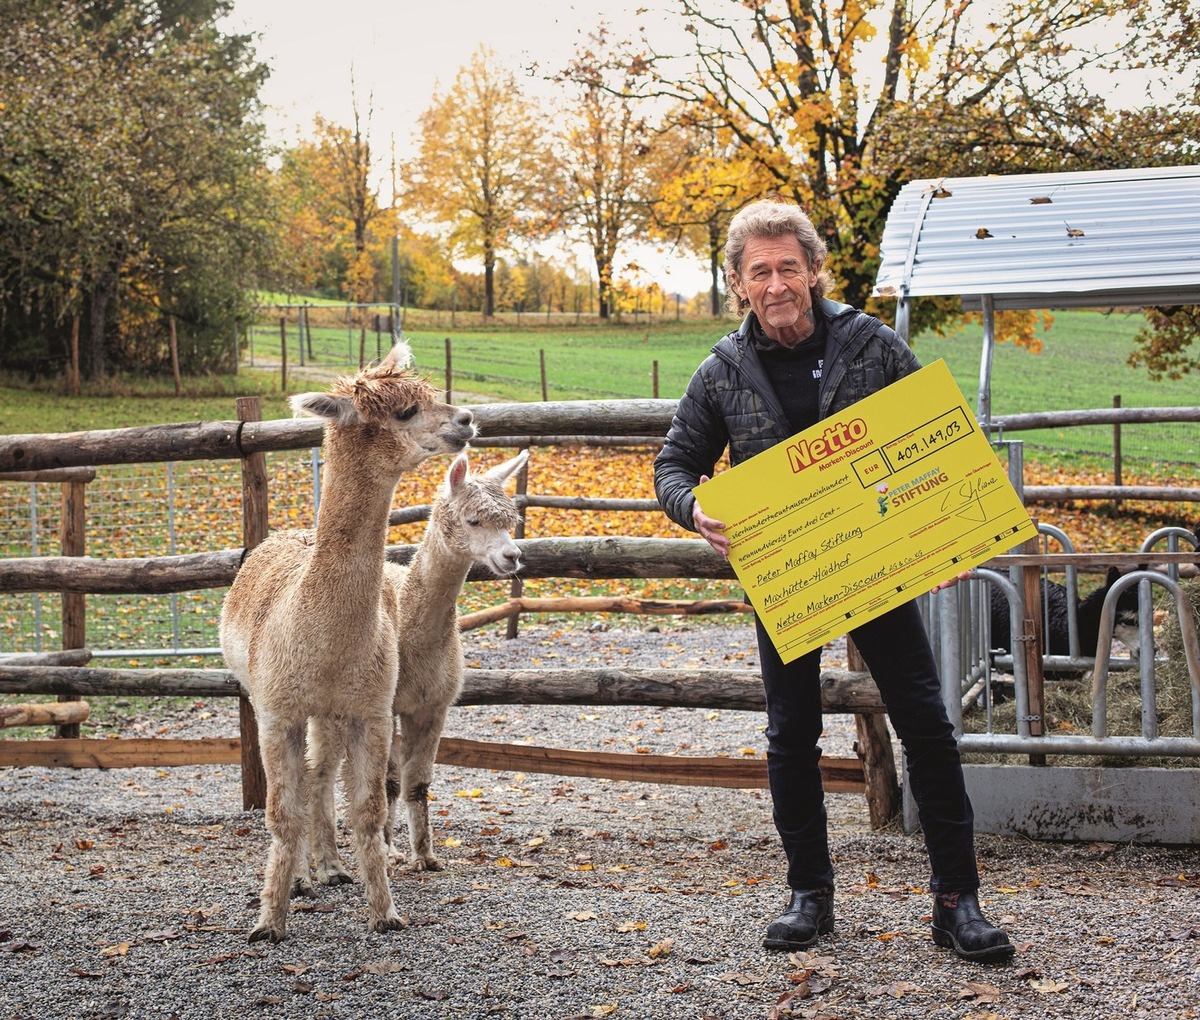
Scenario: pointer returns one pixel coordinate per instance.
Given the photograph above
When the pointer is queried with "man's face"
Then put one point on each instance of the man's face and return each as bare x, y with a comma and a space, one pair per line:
777, 281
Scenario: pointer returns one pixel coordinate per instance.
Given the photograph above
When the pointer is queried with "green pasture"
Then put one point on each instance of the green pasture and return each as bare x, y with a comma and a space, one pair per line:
1083, 364
583, 360
132, 401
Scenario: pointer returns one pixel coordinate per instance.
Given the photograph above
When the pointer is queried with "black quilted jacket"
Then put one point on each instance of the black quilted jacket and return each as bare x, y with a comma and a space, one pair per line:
729, 401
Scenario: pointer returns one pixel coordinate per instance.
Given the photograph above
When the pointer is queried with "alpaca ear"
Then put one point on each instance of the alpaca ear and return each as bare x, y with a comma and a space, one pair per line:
456, 474
503, 472
399, 357
339, 410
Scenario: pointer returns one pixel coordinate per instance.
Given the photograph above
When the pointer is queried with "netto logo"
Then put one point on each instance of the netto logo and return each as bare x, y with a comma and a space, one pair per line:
806, 452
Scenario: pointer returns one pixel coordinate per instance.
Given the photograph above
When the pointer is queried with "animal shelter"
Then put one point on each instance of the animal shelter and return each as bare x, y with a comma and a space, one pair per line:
1100, 239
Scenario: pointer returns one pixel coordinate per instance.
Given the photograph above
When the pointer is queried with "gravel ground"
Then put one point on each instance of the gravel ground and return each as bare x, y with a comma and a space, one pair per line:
130, 893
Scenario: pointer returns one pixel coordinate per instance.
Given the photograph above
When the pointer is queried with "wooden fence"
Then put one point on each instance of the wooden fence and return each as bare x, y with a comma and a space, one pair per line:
68, 458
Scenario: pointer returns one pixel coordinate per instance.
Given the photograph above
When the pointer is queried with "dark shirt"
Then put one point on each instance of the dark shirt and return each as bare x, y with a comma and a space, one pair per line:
795, 374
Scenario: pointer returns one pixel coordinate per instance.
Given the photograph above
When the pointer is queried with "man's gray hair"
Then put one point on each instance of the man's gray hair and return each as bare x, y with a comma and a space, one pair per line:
772, 219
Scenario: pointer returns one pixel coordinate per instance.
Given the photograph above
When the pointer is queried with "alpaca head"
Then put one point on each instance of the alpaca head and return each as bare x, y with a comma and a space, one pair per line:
474, 515
389, 414
1126, 622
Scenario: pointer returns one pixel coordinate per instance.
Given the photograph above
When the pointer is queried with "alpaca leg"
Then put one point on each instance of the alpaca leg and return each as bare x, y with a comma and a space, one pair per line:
283, 761
326, 745
418, 744
364, 779
395, 856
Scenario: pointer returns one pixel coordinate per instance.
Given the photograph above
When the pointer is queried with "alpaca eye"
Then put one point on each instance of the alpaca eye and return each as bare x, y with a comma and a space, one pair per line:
473, 522
407, 413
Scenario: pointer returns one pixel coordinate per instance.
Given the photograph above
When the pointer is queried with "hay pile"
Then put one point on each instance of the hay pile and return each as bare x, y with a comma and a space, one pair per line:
1068, 708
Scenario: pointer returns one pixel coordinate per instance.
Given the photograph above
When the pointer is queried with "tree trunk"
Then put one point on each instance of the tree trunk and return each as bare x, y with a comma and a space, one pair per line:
714, 265
603, 280
604, 291
489, 282
98, 300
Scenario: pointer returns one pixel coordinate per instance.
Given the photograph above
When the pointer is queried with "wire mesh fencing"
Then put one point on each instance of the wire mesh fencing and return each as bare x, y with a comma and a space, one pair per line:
141, 511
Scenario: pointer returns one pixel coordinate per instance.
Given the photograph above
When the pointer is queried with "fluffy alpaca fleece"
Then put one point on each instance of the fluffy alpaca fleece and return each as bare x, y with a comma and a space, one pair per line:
1054, 598
469, 525
310, 627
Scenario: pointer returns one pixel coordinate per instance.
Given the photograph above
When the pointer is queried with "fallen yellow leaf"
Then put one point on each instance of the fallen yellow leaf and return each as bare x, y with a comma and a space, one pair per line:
662, 948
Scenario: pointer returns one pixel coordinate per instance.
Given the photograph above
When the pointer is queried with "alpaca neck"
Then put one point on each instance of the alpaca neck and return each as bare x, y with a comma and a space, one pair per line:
431, 588
1087, 618
346, 569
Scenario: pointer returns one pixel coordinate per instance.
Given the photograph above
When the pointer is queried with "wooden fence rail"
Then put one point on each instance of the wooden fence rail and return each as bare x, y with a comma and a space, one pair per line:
512, 425
232, 440
842, 692
606, 558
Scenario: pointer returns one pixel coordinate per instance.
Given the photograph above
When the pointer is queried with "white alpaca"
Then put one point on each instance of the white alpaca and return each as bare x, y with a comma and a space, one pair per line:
310, 625
469, 524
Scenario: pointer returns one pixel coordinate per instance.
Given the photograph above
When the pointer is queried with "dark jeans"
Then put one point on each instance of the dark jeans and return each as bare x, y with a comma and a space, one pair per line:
896, 650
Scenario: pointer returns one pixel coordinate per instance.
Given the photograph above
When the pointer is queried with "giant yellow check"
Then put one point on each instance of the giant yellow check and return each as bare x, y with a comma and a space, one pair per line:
865, 511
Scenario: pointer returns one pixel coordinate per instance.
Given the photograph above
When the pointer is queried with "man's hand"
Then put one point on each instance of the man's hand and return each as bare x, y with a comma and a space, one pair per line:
709, 528
964, 576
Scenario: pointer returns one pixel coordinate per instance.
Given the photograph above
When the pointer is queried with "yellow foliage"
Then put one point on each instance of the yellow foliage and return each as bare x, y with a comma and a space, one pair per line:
1018, 326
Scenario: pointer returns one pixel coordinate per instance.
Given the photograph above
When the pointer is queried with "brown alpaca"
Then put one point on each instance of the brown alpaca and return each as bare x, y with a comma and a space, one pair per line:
310, 626
469, 524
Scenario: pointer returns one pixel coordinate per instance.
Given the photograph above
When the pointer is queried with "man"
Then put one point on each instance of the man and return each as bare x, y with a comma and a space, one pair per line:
796, 359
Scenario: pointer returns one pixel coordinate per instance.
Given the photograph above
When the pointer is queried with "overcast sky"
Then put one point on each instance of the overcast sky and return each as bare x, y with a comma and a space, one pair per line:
401, 53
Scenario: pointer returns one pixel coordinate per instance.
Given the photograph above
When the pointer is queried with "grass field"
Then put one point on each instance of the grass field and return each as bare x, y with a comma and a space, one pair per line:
123, 403
584, 360
1083, 365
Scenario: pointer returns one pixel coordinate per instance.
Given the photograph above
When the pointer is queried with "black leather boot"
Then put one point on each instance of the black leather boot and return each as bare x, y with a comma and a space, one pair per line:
959, 924
809, 915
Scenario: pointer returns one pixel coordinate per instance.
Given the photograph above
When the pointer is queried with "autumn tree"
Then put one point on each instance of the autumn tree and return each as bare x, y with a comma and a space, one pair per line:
309, 264
839, 105
428, 278
353, 198
612, 164
1164, 346
327, 185
131, 181
483, 168
694, 205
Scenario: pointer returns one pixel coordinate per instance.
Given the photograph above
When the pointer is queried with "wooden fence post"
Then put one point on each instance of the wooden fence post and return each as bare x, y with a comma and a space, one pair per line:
282, 354
73, 379
1116, 453
254, 530
175, 356
517, 588
1031, 646
74, 605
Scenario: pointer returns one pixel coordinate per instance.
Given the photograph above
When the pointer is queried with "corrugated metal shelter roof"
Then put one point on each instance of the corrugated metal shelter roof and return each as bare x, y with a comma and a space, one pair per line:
1088, 239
